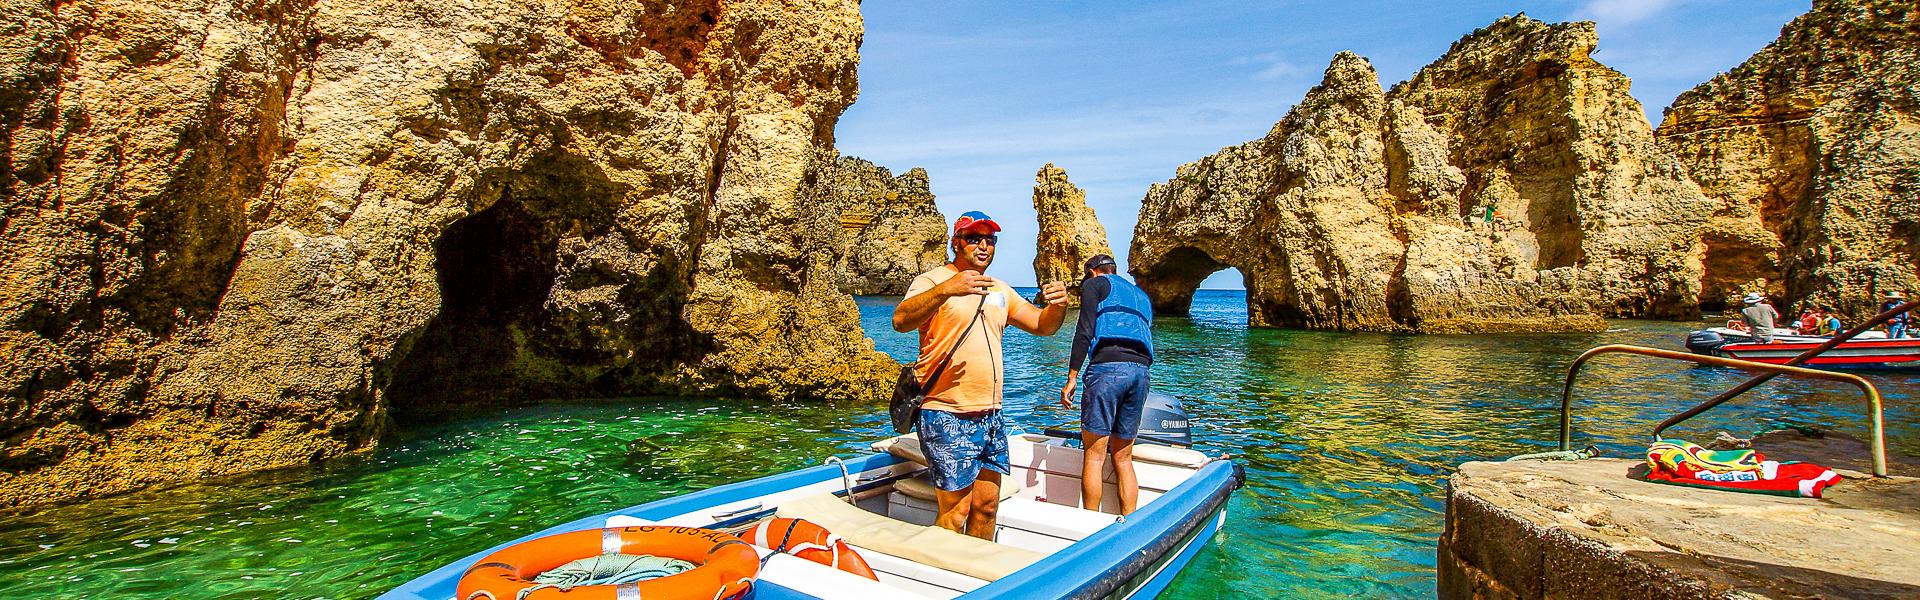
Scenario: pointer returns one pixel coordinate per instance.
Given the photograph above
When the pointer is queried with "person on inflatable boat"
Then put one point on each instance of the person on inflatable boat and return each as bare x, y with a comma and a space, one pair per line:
960, 425
1759, 317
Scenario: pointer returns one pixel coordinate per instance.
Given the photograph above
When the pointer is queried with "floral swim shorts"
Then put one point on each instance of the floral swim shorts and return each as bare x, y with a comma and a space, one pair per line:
958, 446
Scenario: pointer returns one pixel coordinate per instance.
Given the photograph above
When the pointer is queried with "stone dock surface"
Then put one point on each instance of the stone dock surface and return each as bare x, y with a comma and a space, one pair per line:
1587, 530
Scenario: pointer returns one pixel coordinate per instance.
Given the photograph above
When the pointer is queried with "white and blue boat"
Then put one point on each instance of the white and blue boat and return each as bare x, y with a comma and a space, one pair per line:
881, 504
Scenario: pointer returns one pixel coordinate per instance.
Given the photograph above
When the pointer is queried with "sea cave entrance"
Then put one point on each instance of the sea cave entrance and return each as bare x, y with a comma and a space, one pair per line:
1172, 282
495, 269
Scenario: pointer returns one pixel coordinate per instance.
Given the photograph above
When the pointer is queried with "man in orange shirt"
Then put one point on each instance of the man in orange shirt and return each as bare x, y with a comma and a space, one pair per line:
960, 425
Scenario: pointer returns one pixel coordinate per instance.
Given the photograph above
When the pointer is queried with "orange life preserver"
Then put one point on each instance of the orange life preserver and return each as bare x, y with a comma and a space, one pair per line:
726, 567
804, 539
1736, 324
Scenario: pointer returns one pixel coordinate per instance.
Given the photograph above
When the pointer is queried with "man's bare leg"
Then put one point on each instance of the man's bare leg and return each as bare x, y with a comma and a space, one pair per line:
984, 514
1123, 475
1093, 466
954, 507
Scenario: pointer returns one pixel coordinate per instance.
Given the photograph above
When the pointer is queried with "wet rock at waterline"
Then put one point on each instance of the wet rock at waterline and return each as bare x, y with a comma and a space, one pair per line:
240, 236
892, 230
1069, 232
1811, 151
1512, 185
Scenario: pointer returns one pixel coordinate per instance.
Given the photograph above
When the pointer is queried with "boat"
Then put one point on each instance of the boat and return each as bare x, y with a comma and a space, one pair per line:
881, 504
1870, 350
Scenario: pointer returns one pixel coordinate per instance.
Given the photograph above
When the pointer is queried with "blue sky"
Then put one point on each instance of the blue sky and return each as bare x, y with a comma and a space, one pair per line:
1120, 94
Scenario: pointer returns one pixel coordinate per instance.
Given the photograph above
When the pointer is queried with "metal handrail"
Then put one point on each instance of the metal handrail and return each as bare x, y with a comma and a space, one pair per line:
1879, 444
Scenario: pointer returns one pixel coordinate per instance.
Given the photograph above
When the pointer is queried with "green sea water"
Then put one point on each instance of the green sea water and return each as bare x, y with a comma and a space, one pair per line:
1347, 439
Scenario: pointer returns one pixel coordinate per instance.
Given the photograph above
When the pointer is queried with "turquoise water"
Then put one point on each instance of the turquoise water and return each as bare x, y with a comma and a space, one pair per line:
1347, 439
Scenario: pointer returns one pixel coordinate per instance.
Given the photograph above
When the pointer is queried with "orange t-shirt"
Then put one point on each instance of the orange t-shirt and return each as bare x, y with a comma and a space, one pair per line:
972, 381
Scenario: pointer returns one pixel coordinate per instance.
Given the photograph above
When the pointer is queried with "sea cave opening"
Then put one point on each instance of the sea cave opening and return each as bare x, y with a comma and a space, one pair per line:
1172, 282
495, 269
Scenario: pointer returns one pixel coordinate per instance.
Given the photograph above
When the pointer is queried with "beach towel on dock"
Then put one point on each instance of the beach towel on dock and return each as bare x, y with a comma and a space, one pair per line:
1686, 464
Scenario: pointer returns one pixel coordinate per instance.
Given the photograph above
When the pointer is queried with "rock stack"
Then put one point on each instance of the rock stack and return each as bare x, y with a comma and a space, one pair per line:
1512, 185
1069, 232
1810, 151
892, 229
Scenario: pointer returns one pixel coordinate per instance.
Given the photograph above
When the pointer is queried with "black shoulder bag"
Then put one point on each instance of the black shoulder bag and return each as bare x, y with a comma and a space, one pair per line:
909, 393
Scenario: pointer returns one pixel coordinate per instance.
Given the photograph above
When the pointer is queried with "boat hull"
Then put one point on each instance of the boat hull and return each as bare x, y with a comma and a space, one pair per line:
1895, 354
1134, 558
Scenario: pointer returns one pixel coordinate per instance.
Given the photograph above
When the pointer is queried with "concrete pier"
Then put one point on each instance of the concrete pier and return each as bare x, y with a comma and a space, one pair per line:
1586, 530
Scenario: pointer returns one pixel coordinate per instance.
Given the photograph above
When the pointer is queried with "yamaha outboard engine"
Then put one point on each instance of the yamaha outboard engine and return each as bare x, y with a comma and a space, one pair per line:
1705, 342
1164, 421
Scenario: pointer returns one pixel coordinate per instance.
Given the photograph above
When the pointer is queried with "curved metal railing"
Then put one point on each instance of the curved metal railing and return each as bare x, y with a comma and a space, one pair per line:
1878, 445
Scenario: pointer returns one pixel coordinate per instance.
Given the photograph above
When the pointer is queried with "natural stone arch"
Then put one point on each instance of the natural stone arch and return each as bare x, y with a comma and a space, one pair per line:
1171, 282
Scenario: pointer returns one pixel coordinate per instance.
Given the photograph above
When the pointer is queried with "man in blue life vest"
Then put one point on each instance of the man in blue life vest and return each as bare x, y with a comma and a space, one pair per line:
1116, 329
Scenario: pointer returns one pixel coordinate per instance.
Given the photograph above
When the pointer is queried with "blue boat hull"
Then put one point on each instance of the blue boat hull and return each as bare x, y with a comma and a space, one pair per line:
1135, 558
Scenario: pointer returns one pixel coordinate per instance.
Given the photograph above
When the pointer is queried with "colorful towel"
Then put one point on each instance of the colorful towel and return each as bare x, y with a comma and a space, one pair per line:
1684, 464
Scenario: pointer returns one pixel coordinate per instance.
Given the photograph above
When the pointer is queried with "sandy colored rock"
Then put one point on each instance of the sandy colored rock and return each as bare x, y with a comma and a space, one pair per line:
1368, 210
892, 230
1069, 232
241, 235
1586, 530
1811, 151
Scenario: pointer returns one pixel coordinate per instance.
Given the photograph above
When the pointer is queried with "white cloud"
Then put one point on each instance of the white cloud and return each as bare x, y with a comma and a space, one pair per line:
1622, 12
1271, 64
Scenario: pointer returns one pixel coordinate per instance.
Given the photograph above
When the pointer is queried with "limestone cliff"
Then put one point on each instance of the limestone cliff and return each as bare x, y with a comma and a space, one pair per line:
1069, 233
1512, 185
1811, 151
891, 229
239, 235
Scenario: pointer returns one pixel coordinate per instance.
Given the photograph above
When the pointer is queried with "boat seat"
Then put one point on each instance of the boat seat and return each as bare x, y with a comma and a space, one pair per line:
931, 546
922, 487
908, 447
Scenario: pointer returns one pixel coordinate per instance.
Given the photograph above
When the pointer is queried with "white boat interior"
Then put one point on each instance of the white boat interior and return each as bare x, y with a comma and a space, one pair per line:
890, 521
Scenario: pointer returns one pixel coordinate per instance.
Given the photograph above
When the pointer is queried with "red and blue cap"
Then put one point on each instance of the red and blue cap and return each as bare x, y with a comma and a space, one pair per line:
975, 220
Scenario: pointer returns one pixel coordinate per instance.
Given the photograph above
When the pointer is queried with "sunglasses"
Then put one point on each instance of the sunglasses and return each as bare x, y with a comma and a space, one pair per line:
978, 238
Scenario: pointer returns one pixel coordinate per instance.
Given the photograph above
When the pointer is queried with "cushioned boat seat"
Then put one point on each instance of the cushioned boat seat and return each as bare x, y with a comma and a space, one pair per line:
931, 546
921, 487
1169, 455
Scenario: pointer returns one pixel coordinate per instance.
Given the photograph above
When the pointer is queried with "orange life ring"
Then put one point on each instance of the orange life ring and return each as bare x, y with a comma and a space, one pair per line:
807, 540
1736, 324
726, 567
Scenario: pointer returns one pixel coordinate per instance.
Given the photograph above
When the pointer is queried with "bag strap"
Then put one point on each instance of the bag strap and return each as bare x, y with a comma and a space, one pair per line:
937, 371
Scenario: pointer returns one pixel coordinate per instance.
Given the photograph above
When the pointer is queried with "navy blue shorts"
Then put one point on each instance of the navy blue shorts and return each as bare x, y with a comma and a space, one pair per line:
1115, 392
957, 447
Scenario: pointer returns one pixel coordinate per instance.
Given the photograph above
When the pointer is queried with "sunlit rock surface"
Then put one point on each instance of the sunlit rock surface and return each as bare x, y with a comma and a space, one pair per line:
1512, 185
892, 229
1069, 232
1811, 151
240, 235
1586, 530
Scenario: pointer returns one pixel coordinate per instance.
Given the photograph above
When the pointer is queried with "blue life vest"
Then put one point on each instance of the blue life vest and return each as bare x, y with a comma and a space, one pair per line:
1125, 314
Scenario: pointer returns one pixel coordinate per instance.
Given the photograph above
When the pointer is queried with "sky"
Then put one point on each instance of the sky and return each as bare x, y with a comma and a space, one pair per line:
1120, 94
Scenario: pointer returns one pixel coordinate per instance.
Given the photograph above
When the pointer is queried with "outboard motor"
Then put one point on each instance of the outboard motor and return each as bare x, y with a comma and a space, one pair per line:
1706, 342
1163, 420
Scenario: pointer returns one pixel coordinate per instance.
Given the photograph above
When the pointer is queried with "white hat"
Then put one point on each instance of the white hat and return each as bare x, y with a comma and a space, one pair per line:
1752, 298
1895, 295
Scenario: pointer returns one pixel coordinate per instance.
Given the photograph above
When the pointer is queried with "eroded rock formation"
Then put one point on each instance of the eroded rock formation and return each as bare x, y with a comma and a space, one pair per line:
238, 235
1513, 184
1069, 232
1811, 150
892, 230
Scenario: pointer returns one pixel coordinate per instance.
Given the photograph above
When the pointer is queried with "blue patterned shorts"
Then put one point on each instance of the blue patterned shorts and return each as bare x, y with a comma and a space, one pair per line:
957, 447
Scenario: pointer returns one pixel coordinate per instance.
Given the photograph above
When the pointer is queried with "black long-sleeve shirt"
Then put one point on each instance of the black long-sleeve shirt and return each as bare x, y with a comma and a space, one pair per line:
1093, 291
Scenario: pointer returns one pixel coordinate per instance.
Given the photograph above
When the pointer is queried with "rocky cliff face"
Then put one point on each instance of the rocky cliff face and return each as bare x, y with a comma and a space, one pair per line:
1811, 151
891, 229
239, 235
1069, 233
1512, 185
